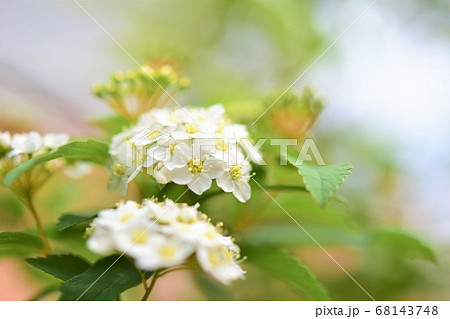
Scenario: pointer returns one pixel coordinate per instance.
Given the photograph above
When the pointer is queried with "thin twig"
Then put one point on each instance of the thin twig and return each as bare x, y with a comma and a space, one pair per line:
29, 203
150, 288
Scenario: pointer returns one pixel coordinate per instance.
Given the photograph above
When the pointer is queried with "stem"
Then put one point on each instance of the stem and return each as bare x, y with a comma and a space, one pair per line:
148, 290
144, 281
285, 188
29, 202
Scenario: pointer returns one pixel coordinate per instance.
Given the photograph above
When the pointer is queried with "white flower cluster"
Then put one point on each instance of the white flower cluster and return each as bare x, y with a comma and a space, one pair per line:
160, 235
190, 146
31, 143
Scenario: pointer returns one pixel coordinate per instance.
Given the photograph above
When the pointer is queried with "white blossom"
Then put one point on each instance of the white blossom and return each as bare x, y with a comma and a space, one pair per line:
26, 143
54, 140
31, 143
159, 235
191, 146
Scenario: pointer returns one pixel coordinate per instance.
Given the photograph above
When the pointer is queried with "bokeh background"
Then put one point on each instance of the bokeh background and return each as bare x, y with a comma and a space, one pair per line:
385, 86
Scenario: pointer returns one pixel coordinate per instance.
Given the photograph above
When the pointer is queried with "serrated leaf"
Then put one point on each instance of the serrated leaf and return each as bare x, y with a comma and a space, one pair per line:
60, 266
323, 181
105, 280
288, 269
89, 151
70, 220
405, 243
14, 239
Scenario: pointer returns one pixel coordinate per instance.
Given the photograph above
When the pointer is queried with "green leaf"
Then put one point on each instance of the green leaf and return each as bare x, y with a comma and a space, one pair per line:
288, 269
293, 236
14, 239
213, 290
112, 124
60, 266
323, 181
105, 280
90, 151
404, 243
70, 220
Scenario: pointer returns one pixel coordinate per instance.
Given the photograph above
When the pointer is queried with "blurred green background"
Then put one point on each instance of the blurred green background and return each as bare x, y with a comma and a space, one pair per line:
385, 91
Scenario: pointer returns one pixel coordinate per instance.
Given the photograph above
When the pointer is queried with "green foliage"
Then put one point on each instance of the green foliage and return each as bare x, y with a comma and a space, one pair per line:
89, 151
404, 243
288, 269
213, 290
14, 239
293, 236
11, 204
323, 181
105, 280
60, 266
112, 124
66, 221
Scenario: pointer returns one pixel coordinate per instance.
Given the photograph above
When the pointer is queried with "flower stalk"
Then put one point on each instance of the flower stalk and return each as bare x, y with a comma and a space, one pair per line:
149, 288
29, 202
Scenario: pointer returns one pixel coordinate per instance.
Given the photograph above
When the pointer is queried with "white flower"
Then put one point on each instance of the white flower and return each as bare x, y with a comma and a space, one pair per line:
190, 146
159, 235
192, 167
219, 262
25, 143
78, 169
33, 143
54, 140
236, 178
164, 253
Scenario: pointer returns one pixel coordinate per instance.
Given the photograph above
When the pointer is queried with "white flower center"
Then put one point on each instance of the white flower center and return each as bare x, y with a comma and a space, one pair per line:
140, 236
191, 128
221, 145
167, 251
235, 172
118, 169
195, 165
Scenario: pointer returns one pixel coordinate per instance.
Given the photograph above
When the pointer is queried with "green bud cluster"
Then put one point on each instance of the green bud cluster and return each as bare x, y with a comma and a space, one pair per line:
148, 85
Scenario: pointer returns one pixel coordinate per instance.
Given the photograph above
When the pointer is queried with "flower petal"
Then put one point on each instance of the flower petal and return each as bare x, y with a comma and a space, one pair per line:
181, 176
226, 182
200, 183
242, 191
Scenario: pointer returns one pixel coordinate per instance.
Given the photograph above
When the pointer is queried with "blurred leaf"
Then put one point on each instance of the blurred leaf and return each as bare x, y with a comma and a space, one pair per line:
405, 243
90, 151
109, 277
288, 269
69, 220
213, 290
60, 266
11, 204
13, 239
292, 235
112, 124
323, 181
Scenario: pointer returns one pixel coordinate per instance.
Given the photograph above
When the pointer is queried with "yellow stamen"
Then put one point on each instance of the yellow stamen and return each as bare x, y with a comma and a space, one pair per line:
140, 236
195, 165
168, 251
221, 145
191, 128
235, 172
